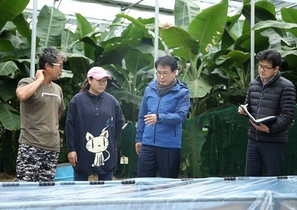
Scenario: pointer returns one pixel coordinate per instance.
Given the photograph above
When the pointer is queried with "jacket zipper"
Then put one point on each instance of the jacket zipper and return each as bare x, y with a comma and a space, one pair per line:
155, 130
259, 107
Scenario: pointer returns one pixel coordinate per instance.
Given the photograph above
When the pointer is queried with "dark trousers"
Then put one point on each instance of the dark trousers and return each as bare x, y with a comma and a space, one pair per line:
84, 177
152, 159
264, 155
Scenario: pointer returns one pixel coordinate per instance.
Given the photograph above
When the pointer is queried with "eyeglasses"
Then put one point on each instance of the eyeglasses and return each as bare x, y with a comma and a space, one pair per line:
165, 73
264, 67
58, 64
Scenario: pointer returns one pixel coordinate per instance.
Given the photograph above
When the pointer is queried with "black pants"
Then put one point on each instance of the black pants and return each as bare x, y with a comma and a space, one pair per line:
152, 159
264, 155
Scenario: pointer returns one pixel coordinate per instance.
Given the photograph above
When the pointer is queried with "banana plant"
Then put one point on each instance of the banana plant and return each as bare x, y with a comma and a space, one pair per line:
10, 9
193, 45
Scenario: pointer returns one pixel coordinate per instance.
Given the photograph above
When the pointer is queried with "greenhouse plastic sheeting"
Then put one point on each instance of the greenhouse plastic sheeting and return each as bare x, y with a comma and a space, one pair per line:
154, 193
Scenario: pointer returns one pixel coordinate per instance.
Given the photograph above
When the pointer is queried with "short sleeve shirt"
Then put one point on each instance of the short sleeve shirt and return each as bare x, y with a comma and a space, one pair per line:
39, 116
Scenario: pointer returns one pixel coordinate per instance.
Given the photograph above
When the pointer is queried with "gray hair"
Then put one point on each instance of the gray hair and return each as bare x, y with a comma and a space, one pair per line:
50, 55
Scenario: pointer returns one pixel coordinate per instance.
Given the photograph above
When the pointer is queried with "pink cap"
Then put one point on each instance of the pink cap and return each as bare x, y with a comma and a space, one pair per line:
98, 73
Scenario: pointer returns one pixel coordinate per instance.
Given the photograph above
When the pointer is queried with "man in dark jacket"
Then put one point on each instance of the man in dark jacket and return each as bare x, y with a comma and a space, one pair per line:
269, 94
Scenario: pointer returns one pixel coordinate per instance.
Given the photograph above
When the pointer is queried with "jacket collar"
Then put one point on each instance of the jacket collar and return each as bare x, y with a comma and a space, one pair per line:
177, 86
271, 80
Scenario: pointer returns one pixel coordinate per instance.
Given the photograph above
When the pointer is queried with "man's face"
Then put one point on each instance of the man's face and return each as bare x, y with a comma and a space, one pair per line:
56, 69
164, 75
266, 70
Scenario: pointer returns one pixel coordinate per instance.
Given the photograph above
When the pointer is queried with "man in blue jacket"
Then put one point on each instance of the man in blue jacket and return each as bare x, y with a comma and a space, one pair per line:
164, 107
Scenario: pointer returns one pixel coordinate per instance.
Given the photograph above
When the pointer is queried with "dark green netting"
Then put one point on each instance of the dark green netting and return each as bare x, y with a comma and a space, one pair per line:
214, 145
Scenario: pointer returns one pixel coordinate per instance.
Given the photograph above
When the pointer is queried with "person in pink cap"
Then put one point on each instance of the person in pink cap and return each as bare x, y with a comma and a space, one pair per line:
93, 125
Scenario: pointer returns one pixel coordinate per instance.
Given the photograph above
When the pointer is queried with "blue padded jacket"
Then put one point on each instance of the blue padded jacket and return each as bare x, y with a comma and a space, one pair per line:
171, 108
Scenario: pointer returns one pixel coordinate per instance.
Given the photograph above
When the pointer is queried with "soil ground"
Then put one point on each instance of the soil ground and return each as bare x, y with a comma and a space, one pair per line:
6, 178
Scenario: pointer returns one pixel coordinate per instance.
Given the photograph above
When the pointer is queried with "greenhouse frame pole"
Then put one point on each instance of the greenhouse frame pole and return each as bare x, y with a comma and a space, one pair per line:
156, 40
33, 39
252, 39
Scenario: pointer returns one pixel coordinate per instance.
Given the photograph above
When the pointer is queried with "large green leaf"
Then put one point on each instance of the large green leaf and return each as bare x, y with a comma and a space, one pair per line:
12, 43
131, 79
9, 87
70, 42
233, 57
8, 117
274, 24
83, 26
290, 15
136, 73
137, 35
244, 42
276, 40
135, 60
79, 65
232, 31
231, 63
111, 30
83, 29
9, 9
8, 68
5, 46
115, 50
208, 26
198, 88
184, 12
180, 42
264, 10
50, 25
125, 95
23, 27
66, 74
277, 34
139, 29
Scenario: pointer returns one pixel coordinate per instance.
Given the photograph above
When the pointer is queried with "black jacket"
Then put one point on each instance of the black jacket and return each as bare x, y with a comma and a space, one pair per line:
277, 97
